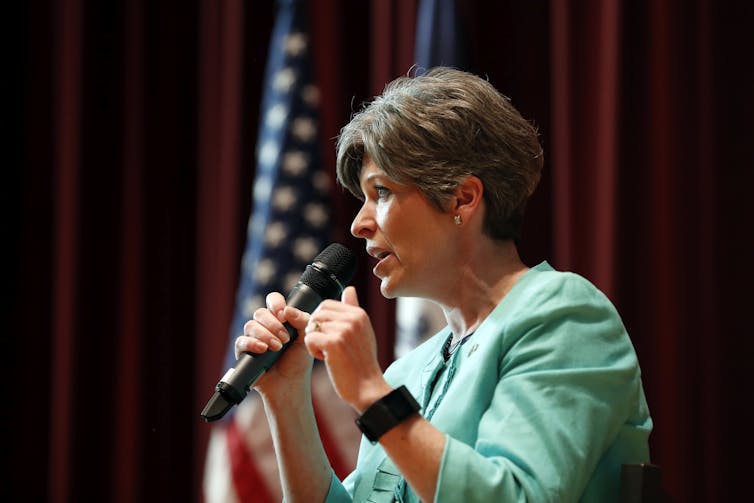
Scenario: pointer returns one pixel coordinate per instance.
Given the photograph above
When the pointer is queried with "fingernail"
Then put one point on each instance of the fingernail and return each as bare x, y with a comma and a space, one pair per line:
275, 344
284, 335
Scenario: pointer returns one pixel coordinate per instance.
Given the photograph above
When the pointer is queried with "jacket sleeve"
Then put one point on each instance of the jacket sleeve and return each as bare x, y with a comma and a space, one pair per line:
337, 492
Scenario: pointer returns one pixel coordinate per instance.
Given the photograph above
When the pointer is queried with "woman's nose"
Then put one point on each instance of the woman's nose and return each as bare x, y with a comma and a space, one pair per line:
363, 223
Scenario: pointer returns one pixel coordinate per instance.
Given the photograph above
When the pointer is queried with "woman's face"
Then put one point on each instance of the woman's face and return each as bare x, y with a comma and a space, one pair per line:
405, 233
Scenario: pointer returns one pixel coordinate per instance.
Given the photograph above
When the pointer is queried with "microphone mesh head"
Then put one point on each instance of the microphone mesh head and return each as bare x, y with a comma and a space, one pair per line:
334, 261
339, 261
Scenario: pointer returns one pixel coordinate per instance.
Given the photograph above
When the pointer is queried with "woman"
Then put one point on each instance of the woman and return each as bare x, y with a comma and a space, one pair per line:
531, 393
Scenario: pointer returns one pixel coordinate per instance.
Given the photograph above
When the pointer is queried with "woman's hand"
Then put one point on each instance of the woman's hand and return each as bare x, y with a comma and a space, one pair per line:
341, 334
267, 332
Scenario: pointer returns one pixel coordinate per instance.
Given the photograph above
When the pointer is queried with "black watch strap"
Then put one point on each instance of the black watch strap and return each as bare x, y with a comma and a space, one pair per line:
387, 412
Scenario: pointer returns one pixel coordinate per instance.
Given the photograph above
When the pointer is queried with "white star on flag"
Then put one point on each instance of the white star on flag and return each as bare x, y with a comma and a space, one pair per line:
321, 182
275, 234
305, 249
295, 44
310, 95
251, 304
284, 198
284, 80
265, 271
304, 129
295, 163
315, 214
291, 279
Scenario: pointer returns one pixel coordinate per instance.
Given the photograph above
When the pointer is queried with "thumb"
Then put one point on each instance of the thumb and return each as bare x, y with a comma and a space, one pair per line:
349, 296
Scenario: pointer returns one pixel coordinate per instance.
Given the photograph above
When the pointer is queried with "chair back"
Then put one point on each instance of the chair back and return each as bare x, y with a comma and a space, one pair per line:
641, 483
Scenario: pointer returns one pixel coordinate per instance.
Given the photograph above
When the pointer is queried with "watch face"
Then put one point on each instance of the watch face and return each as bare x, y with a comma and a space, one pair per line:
387, 412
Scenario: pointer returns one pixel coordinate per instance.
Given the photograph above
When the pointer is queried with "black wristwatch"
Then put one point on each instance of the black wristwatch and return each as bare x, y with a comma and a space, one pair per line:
386, 413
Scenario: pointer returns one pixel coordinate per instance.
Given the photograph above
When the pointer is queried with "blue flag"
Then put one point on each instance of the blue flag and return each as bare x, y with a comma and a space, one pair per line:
439, 36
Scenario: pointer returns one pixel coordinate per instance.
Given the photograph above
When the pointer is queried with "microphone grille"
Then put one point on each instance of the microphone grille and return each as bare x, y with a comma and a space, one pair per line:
335, 260
339, 261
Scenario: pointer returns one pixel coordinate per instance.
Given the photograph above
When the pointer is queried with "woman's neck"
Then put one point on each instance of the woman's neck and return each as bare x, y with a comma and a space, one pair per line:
485, 276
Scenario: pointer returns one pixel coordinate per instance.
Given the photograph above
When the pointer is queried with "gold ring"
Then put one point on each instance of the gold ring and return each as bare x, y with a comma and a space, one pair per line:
316, 326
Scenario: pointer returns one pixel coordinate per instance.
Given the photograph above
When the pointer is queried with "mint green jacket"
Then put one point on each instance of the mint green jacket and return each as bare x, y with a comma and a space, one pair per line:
544, 402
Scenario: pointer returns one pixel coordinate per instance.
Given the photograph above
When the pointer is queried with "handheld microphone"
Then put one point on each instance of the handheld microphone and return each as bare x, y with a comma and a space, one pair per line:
325, 278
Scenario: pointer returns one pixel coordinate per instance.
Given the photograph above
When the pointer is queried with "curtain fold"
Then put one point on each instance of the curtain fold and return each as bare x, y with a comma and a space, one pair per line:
129, 321
219, 202
66, 144
585, 86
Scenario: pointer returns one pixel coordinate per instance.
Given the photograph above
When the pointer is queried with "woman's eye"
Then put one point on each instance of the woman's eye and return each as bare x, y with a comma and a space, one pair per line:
382, 192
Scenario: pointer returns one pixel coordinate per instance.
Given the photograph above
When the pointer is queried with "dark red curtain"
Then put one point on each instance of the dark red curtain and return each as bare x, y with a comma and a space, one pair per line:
127, 188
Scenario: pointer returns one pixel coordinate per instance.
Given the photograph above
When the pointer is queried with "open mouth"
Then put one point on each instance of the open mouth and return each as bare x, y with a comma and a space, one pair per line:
381, 256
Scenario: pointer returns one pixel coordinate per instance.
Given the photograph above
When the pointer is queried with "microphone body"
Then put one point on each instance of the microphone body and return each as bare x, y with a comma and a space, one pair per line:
325, 278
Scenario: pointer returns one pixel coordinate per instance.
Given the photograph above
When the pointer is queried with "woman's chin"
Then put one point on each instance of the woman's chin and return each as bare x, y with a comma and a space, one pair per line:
386, 289
391, 288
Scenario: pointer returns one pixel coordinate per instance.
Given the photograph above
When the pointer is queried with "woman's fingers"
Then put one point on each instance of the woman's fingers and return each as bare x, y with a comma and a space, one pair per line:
295, 317
246, 344
342, 327
276, 303
265, 331
341, 334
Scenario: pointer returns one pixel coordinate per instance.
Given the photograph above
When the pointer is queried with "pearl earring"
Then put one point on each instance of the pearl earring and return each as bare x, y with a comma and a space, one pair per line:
457, 219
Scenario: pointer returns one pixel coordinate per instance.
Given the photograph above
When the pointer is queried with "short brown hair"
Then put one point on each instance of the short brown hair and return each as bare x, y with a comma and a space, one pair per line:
434, 130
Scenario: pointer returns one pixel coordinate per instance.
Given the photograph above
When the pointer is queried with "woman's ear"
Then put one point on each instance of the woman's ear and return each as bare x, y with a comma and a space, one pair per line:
467, 198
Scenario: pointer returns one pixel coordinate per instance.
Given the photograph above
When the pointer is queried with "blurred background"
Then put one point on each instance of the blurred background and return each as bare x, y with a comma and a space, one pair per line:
133, 161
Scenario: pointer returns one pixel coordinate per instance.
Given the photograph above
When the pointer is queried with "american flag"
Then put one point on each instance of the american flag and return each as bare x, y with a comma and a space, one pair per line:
288, 227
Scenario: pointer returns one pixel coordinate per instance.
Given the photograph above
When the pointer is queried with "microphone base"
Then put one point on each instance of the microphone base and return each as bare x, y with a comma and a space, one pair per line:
216, 407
